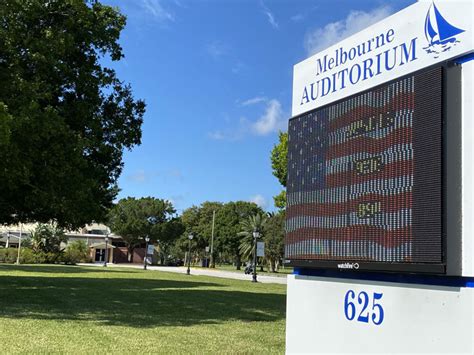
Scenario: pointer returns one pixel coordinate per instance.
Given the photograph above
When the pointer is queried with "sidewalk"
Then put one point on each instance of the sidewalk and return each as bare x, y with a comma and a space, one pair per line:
202, 272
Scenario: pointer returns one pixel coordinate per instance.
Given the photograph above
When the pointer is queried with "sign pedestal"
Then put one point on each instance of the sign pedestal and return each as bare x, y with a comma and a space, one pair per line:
336, 315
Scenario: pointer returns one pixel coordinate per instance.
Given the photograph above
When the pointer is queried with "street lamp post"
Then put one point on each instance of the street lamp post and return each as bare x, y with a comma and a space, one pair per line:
190, 237
256, 235
106, 250
147, 239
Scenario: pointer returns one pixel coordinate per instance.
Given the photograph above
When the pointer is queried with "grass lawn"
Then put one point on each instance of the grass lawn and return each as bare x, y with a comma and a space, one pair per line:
90, 310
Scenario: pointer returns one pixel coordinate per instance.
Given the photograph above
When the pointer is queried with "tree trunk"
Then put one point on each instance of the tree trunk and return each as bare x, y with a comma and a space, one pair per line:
273, 265
130, 254
238, 261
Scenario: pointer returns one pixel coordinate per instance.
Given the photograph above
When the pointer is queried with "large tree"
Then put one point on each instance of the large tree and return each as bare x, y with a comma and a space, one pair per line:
134, 219
231, 217
279, 159
65, 119
248, 226
274, 235
198, 220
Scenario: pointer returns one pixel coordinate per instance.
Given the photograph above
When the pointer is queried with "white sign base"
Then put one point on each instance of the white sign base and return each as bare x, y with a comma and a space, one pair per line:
329, 315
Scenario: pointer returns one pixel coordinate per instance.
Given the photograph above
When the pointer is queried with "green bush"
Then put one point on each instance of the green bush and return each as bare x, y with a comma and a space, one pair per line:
29, 256
8, 255
76, 252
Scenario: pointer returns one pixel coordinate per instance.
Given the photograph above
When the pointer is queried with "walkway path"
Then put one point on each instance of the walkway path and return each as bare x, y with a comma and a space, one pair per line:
203, 272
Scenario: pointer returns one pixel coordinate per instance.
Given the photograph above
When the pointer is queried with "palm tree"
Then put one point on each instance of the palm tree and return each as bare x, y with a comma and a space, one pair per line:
254, 223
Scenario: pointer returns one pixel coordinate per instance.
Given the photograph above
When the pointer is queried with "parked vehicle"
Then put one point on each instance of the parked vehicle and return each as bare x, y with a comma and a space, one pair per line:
174, 262
248, 269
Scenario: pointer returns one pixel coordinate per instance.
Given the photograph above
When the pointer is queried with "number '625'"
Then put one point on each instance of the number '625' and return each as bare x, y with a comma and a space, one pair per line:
364, 307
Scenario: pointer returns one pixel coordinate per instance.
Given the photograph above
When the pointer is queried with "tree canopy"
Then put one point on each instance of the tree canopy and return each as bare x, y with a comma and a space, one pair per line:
65, 119
134, 219
48, 238
279, 159
255, 223
198, 220
274, 235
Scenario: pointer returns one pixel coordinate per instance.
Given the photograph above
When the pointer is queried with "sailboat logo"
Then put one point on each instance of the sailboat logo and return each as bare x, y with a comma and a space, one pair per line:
441, 35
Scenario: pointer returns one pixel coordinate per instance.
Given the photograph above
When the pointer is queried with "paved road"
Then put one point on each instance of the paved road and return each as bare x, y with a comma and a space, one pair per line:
204, 272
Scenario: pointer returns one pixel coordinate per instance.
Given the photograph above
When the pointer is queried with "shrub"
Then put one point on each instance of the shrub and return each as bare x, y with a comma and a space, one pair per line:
76, 252
8, 255
29, 256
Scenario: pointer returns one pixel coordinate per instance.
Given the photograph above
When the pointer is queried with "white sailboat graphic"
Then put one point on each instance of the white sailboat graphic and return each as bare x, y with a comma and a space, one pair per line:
440, 34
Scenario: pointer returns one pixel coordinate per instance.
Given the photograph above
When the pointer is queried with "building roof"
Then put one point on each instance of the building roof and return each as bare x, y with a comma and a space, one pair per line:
101, 246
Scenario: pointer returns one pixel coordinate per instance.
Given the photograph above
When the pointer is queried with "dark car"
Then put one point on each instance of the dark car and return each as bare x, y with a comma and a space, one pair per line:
174, 262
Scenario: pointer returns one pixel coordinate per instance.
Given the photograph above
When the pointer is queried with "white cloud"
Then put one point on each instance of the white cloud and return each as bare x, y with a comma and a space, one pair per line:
321, 38
271, 121
297, 17
139, 176
144, 176
253, 101
217, 49
154, 8
259, 200
217, 135
232, 134
270, 16
237, 68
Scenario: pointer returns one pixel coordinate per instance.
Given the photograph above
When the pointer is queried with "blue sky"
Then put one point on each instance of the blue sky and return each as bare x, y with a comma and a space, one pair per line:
217, 79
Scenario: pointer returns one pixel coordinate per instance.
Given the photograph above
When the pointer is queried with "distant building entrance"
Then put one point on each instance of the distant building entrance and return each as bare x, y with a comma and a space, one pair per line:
100, 255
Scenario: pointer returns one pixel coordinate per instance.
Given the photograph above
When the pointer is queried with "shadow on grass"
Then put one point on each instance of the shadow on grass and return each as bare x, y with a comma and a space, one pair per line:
134, 302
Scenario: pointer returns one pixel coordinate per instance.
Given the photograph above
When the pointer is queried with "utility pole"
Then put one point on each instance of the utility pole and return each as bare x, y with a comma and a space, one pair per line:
212, 239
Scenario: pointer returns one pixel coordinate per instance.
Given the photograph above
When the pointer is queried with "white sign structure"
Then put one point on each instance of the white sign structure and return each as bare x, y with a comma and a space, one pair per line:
150, 250
338, 314
327, 315
261, 249
401, 44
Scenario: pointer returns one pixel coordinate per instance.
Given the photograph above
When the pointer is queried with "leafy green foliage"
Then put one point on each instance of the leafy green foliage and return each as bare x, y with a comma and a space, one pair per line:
134, 219
29, 256
274, 239
8, 255
76, 252
280, 200
255, 223
65, 119
47, 238
198, 220
279, 159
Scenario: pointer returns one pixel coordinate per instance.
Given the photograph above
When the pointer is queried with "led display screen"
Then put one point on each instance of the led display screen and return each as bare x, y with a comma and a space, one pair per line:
365, 182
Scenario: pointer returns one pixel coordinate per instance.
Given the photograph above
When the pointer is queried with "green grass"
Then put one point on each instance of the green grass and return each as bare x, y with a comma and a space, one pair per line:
46, 309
